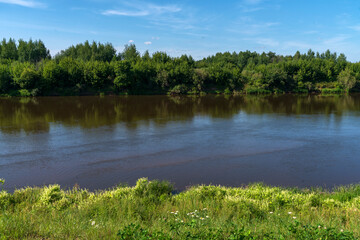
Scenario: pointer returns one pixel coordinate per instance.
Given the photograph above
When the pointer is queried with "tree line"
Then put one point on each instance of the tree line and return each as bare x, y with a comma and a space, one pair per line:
27, 69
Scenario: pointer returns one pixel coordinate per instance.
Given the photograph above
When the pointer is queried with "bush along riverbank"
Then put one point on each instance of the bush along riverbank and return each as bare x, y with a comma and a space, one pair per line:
150, 210
27, 69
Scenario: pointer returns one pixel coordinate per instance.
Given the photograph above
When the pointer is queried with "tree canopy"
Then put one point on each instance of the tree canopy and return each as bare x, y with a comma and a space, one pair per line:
26, 68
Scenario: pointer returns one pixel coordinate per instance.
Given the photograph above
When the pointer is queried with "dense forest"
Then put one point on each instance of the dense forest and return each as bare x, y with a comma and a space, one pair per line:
27, 69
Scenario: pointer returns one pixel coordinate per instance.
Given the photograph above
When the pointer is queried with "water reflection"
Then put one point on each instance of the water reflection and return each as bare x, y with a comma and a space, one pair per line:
33, 115
98, 142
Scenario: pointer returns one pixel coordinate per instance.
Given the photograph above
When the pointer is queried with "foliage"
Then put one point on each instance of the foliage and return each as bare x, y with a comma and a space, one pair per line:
151, 210
94, 68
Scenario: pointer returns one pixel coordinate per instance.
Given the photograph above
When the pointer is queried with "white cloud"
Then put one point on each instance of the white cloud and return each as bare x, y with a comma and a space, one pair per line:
297, 44
155, 38
356, 27
336, 40
126, 13
148, 43
248, 26
252, 2
24, 3
267, 42
131, 41
143, 9
311, 32
249, 10
163, 9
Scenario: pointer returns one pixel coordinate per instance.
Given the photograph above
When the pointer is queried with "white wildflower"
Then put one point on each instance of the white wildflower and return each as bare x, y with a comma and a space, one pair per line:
92, 223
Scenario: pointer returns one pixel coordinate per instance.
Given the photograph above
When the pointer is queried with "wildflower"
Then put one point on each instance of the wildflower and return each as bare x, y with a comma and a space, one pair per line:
341, 230
176, 213
182, 221
172, 212
195, 210
92, 223
205, 209
319, 226
324, 227
192, 215
289, 212
294, 217
207, 216
202, 218
271, 212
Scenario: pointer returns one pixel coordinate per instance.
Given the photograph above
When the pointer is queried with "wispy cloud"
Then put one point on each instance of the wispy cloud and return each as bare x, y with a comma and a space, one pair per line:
336, 40
126, 13
46, 28
267, 42
24, 3
249, 9
143, 9
252, 2
148, 43
310, 32
131, 41
248, 26
297, 44
355, 27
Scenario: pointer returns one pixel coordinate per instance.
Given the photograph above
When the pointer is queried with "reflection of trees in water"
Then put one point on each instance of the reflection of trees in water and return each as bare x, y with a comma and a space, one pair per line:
35, 114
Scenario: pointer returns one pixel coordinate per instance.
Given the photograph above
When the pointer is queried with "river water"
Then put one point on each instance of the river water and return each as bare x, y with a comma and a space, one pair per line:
99, 142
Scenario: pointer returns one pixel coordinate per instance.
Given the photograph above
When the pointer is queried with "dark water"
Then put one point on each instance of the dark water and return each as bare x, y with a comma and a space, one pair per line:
98, 142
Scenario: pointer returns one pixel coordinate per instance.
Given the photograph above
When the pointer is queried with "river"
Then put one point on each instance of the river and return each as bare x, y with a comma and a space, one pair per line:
99, 142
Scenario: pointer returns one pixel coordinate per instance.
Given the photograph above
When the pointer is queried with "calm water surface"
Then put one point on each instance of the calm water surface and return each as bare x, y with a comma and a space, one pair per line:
98, 142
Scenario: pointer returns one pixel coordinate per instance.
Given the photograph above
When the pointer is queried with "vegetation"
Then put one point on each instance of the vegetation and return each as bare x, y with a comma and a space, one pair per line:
26, 69
151, 210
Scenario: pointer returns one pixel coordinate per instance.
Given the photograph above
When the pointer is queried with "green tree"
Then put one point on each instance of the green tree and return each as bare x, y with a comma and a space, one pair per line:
98, 74
5, 78
53, 75
122, 70
9, 49
347, 79
130, 53
29, 78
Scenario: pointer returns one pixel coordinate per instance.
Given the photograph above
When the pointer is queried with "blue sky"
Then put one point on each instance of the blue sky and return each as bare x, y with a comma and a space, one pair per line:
196, 27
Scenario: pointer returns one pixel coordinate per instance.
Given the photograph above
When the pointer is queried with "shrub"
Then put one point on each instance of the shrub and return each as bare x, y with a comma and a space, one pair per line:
51, 194
179, 89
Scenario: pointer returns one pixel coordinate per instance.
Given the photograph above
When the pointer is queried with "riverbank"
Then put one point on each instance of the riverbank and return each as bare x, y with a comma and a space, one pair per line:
152, 210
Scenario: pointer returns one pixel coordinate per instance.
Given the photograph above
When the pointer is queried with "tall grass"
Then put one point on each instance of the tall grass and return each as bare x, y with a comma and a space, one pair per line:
150, 210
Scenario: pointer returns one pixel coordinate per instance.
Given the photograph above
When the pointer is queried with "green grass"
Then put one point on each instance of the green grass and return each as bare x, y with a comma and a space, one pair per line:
150, 210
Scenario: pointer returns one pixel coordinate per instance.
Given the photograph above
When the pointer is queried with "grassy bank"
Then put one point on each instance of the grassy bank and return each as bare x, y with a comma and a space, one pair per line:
150, 210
